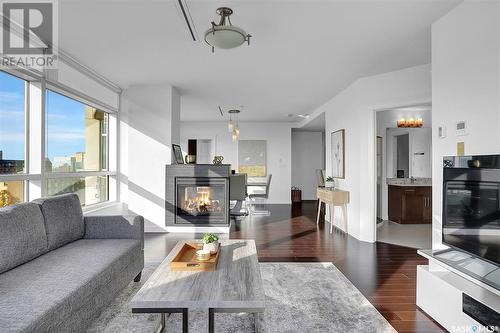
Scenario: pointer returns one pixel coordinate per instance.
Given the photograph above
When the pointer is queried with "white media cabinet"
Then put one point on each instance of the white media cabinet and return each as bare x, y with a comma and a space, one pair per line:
440, 293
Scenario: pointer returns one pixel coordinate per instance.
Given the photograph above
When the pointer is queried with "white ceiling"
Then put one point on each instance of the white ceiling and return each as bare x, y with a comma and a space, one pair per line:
301, 55
314, 125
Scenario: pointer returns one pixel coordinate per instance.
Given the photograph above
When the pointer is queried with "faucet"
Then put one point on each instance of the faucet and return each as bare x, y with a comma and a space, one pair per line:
412, 179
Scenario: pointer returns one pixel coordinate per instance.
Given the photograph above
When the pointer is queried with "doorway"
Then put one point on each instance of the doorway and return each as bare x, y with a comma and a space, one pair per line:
380, 157
204, 151
308, 156
403, 176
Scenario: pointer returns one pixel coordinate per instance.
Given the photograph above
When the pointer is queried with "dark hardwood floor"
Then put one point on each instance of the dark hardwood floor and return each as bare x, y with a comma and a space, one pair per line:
384, 273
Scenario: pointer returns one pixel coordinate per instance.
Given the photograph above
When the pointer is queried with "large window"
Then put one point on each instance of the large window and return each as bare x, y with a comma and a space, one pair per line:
76, 135
12, 124
90, 190
76, 141
69, 152
12, 138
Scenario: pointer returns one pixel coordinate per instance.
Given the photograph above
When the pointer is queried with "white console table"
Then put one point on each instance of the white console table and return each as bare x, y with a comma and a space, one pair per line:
440, 289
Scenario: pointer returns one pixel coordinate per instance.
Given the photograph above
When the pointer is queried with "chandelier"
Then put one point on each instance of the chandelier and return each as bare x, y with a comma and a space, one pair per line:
233, 125
225, 35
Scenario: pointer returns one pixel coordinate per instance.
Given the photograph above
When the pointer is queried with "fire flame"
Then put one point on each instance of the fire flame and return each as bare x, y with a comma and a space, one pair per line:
201, 202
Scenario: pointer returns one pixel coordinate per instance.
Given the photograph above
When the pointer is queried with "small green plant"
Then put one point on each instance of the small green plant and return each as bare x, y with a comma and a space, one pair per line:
210, 238
330, 179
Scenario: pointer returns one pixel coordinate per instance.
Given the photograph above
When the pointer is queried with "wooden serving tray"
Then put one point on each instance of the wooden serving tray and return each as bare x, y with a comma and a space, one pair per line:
186, 259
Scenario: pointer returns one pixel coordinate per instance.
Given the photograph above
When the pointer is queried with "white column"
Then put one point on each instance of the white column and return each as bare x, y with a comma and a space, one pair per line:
149, 124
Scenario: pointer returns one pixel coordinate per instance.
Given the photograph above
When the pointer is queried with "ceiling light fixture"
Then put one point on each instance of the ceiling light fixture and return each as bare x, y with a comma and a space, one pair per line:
233, 125
410, 122
224, 35
303, 116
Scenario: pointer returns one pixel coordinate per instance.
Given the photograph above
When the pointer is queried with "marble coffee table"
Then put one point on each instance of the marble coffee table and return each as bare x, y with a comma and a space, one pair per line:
235, 286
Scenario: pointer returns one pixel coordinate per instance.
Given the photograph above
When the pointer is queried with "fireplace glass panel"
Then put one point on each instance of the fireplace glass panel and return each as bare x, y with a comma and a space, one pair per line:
201, 201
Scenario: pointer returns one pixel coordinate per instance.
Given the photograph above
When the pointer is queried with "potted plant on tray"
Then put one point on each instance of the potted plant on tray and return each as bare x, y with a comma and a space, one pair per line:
330, 182
211, 242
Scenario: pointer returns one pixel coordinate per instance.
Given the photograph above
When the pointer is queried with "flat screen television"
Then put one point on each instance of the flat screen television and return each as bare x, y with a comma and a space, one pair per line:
471, 205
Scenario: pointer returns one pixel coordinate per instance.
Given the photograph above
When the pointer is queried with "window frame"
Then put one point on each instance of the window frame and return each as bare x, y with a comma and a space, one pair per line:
26, 177
35, 183
74, 95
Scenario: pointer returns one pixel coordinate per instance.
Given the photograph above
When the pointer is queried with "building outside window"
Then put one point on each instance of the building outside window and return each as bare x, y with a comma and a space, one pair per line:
76, 141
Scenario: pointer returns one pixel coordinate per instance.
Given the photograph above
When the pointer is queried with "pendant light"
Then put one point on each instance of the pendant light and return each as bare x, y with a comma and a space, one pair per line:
233, 125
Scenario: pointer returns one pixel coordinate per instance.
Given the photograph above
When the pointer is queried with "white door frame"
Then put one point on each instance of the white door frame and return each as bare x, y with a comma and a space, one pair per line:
373, 152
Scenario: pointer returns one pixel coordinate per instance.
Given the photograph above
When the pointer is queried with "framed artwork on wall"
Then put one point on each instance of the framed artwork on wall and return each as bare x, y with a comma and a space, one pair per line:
252, 157
338, 154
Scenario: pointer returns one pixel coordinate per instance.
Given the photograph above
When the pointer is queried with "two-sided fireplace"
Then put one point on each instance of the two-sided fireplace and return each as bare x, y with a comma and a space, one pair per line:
197, 194
201, 200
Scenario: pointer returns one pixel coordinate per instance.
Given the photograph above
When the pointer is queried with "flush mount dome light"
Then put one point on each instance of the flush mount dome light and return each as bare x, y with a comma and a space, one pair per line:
224, 35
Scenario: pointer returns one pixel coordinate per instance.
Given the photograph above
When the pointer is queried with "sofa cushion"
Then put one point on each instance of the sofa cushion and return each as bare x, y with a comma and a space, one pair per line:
22, 235
63, 219
41, 295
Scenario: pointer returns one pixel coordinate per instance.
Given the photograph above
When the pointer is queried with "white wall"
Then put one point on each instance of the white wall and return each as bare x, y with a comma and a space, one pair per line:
277, 135
465, 86
353, 110
308, 155
149, 125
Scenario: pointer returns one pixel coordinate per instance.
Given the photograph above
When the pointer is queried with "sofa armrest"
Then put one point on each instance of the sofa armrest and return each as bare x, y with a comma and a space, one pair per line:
118, 226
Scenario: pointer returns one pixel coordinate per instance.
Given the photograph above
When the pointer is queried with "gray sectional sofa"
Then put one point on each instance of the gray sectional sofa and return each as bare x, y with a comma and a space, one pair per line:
58, 269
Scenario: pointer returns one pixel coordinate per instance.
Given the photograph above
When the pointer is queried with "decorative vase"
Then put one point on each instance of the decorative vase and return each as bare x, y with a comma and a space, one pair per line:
212, 247
329, 184
190, 159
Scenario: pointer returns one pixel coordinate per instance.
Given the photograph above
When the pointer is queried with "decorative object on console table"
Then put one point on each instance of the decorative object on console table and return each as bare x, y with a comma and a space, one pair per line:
330, 182
338, 153
179, 159
211, 243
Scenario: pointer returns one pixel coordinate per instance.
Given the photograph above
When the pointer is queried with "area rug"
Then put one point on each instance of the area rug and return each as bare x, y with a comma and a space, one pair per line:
300, 297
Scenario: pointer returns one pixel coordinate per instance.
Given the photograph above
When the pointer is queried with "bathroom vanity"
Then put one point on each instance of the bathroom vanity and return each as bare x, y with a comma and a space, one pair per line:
410, 203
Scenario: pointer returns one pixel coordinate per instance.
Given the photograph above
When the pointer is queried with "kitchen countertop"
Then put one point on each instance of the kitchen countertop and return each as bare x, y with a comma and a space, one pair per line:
408, 181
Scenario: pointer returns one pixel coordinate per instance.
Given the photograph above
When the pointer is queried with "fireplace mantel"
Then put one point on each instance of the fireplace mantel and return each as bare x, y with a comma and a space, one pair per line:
202, 176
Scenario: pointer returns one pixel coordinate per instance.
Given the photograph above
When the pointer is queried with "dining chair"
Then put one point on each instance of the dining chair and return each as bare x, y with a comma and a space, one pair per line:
254, 197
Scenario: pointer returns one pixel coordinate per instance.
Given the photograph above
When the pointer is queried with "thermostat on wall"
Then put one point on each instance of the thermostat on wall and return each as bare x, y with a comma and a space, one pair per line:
442, 132
461, 128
